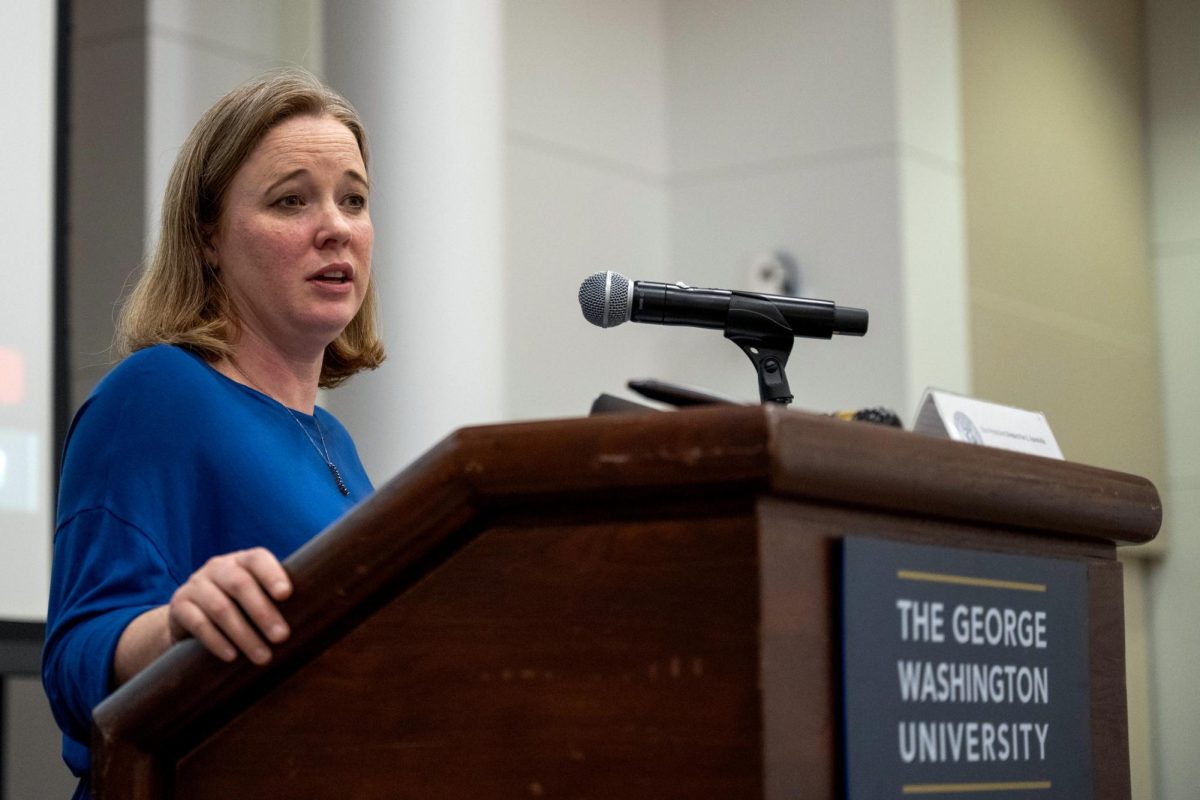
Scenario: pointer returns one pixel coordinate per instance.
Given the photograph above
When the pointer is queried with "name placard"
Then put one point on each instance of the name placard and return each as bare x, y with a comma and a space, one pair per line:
965, 674
966, 419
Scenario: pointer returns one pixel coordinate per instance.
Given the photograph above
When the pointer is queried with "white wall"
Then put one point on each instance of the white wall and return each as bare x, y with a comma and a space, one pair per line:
933, 226
681, 139
784, 136
1174, 122
586, 145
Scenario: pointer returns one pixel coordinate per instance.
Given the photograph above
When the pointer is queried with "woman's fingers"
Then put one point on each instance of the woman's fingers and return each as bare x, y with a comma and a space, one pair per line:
266, 568
217, 599
217, 619
187, 618
225, 604
254, 569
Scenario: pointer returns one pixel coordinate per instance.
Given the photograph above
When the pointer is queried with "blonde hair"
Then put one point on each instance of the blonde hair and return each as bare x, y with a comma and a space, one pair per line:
179, 299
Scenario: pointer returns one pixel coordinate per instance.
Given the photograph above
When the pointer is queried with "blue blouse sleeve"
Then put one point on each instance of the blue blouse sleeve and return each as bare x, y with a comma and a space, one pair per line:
107, 572
108, 569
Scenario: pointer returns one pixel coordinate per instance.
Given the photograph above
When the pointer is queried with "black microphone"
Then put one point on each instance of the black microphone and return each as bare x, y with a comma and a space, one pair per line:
609, 298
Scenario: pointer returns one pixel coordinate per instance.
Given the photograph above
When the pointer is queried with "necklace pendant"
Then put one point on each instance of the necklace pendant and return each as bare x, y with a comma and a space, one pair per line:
322, 449
337, 478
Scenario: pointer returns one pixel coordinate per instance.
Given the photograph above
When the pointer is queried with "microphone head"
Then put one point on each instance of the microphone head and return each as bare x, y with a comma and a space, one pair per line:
606, 298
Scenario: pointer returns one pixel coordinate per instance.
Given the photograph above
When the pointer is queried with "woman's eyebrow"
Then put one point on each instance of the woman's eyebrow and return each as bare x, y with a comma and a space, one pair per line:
294, 173
350, 173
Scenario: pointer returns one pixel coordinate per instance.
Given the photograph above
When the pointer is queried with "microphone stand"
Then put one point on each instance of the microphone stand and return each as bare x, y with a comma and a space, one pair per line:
756, 326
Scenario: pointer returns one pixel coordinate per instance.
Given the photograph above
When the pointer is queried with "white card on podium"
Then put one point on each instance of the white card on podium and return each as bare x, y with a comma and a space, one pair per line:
965, 419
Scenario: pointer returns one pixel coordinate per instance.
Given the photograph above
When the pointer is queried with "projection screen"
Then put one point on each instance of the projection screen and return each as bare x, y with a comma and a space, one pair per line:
27, 105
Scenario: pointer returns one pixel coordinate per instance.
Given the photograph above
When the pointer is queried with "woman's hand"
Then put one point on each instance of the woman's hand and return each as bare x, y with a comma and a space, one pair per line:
228, 605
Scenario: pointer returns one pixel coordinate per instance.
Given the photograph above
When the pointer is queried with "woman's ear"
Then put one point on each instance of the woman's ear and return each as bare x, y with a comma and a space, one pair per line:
208, 235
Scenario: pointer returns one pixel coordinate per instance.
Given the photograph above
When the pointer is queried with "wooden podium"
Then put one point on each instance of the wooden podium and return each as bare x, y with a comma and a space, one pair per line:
624, 606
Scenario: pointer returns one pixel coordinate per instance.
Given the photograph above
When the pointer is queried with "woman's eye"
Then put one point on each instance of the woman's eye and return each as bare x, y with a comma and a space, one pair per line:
356, 201
290, 201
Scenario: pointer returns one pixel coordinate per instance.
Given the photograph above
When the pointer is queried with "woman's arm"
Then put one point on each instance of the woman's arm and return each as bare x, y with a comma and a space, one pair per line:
228, 605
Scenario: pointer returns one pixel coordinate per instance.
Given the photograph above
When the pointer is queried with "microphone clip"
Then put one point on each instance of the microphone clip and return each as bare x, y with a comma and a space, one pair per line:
755, 325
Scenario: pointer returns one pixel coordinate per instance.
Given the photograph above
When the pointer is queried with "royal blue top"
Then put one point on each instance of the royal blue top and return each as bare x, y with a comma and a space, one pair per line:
167, 464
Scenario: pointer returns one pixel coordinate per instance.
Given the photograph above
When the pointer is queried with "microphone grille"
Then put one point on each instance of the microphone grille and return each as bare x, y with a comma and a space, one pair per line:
604, 298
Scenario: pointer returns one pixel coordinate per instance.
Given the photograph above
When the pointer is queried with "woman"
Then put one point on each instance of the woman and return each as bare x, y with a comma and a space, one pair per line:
201, 460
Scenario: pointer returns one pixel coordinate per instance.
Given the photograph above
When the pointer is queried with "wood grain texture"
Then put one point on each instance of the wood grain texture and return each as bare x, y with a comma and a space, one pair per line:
871, 465
128, 772
597, 660
601, 552
1106, 671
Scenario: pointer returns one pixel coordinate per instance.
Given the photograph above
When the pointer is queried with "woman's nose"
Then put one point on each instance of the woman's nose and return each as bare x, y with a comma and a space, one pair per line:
333, 227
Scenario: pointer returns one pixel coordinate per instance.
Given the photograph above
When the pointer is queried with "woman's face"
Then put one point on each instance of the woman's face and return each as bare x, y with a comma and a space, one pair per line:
293, 241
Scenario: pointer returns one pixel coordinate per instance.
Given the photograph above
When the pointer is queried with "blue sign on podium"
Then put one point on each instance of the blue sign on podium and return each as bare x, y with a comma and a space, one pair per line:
965, 674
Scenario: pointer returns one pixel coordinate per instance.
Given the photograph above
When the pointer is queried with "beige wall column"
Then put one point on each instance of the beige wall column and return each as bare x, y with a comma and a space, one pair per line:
427, 79
1173, 30
1061, 290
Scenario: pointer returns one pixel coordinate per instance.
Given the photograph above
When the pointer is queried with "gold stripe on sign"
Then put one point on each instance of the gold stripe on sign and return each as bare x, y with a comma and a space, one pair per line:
964, 580
949, 788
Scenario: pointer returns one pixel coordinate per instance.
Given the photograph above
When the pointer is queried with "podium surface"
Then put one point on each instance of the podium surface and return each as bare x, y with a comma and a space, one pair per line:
624, 606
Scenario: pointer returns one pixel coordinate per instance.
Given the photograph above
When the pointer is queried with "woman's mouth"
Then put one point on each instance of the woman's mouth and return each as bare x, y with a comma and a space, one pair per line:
334, 274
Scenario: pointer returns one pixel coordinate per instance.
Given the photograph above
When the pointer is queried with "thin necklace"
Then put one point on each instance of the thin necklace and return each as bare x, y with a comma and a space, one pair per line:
322, 450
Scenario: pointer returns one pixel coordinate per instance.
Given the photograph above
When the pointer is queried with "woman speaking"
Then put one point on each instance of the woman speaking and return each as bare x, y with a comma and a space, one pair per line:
202, 459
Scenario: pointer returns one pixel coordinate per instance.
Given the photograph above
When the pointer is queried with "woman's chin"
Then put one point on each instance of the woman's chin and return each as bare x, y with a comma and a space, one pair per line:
328, 323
